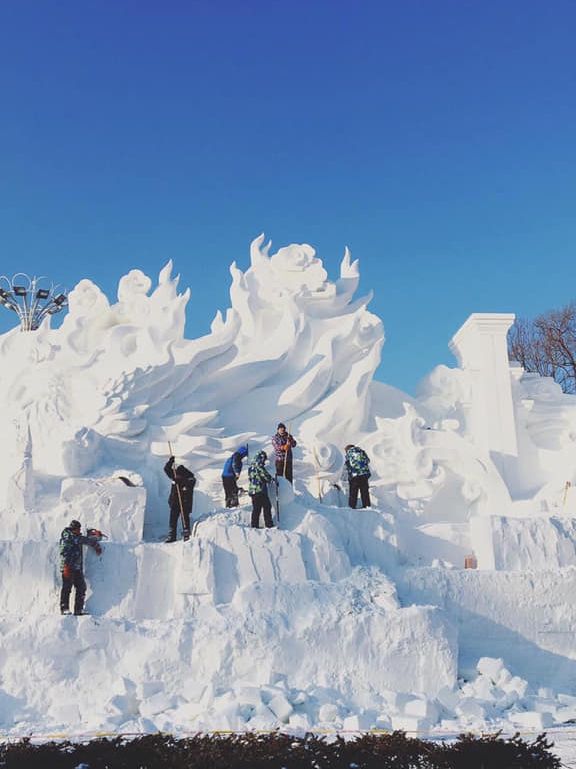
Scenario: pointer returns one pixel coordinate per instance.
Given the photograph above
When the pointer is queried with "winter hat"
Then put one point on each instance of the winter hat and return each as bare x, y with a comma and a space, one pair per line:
349, 446
75, 525
281, 424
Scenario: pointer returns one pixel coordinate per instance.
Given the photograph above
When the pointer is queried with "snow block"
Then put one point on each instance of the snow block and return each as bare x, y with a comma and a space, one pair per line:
196, 574
106, 504
514, 544
281, 708
299, 721
412, 725
328, 713
448, 698
360, 722
469, 708
516, 685
530, 615
421, 708
263, 719
248, 695
491, 667
483, 689
531, 719
155, 704
565, 713
352, 639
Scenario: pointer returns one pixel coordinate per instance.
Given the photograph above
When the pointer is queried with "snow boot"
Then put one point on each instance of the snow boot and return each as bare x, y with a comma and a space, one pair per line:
186, 535
171, 537
64, 611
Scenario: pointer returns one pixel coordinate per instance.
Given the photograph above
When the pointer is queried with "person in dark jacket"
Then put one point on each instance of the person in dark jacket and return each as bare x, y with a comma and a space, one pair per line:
357, 464
259, 478
230, 474
180, 499
71, 566
283, 444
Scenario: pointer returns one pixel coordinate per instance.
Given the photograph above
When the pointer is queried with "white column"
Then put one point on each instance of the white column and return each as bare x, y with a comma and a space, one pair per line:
481, 349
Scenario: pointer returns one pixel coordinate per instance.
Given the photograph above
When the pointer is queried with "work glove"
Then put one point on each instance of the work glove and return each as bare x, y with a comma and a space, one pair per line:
98, 549
67, 571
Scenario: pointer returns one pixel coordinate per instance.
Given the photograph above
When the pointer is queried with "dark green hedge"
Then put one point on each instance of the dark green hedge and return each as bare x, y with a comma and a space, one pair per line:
282, 751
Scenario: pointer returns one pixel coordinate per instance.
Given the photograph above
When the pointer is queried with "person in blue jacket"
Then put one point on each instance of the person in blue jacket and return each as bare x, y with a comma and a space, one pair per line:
231, 473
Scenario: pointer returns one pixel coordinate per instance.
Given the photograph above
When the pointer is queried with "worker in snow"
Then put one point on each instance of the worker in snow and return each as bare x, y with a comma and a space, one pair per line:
71, 566
230, 474
357, 465
259, 479
283, 444
180, 499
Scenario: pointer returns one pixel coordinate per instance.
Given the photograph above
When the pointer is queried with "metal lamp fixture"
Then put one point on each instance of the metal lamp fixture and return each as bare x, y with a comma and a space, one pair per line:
31, 303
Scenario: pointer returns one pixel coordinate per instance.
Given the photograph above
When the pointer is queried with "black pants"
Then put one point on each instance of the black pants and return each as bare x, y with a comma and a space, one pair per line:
77, 580
261, 502
280, 468
359, 483
175, 517
230, 490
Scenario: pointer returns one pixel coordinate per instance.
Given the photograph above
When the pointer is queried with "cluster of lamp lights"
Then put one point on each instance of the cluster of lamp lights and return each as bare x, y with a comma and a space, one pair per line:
24, 296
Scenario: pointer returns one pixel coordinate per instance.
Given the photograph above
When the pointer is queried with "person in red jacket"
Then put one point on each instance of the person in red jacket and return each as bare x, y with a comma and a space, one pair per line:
283, 444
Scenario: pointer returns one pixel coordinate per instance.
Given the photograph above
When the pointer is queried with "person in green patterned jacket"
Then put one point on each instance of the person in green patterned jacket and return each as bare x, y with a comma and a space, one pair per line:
259, 478
71, 563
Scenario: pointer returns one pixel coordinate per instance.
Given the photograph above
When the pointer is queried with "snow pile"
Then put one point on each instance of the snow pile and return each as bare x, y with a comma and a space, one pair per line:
339, 618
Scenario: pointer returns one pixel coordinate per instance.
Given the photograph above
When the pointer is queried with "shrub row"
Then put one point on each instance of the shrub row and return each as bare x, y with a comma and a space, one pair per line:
282, 751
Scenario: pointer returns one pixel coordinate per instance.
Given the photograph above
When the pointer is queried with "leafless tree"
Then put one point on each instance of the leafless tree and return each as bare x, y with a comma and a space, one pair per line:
547, 345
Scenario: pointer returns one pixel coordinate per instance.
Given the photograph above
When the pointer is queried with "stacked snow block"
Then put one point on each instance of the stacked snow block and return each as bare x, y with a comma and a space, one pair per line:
186, 673
527, 614
513, 544
107, 504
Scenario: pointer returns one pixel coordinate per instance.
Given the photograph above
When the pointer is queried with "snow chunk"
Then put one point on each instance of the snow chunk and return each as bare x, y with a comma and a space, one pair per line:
531, 719
281, 708
490, 667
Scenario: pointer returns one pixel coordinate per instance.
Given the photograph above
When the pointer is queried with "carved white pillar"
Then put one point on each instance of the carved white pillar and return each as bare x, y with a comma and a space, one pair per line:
481, 349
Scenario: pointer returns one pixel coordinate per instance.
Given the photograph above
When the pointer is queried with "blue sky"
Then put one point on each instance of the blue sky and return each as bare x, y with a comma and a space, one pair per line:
435, 139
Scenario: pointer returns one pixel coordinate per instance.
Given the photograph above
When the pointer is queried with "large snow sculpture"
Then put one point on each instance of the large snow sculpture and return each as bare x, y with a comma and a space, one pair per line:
482, 460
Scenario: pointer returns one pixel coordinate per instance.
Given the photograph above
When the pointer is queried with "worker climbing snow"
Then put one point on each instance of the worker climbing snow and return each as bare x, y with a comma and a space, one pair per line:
259, 479
283, 444
180, 499
71, 566
230, 474
357, 465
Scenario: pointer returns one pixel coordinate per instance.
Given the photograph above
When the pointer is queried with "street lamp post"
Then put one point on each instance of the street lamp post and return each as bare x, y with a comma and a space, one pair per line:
31, 303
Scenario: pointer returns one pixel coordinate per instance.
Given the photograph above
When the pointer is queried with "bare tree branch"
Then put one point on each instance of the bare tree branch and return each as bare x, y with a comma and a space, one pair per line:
547, 345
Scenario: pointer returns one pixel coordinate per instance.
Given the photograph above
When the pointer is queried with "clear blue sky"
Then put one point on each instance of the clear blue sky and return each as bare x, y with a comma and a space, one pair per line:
437, 139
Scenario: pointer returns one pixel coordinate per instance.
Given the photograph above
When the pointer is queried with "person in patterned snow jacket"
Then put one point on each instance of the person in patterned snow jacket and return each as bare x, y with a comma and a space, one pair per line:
230, 474
259, 478
357, 465
71, 566
283, 444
